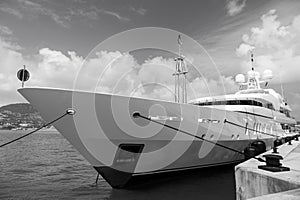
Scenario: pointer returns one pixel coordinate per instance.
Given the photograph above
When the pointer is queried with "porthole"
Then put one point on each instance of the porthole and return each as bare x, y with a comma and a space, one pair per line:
203, 135
212, 137
232, 137
238, 137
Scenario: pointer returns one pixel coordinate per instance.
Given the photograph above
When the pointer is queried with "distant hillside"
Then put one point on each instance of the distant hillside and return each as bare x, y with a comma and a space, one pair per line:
20, 115
22, 108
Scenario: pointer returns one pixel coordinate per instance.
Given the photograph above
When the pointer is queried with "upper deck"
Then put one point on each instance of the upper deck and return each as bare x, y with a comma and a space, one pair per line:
250, 94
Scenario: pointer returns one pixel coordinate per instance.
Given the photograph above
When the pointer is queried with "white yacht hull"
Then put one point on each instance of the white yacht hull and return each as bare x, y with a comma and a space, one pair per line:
122, 148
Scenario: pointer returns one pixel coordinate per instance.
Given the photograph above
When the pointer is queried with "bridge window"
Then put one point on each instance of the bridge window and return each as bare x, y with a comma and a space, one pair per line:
232, 102
270, 106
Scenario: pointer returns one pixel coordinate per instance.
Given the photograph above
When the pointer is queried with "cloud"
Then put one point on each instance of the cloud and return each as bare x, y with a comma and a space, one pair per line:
27, 7
118, 16
38, 9
91, 14
203, 87
47, 68
11, 11
94, 12
63, 15
294, 103
296, 23
234, 7
277, 47
109, 72
53, 68
270, 34
10, 61
140, 11
153, 79
244, 49
4, 30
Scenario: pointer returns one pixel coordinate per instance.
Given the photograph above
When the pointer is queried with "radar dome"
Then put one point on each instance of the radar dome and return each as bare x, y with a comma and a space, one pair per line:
253, 74
267, 75
240, 78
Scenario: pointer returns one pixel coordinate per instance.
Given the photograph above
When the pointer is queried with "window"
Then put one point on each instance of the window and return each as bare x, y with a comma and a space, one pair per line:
286, 112
233, 102
281, 110
270, 106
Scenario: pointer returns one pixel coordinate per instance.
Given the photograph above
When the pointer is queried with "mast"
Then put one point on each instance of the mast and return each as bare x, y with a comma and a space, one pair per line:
253, 76
252, 60
180, 76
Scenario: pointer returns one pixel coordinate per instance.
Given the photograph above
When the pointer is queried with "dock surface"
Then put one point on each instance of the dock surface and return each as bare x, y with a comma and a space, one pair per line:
257, 184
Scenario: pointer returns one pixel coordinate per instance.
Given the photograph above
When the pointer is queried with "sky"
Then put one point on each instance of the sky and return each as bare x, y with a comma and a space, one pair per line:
67, 43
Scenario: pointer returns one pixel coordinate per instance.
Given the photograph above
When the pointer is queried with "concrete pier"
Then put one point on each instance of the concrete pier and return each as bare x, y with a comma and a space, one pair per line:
257, 184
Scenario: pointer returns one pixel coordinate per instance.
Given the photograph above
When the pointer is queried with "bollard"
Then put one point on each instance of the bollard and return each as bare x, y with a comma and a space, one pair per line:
259, 145
290, 141
273, 163
275, 150
277, 143
249, 152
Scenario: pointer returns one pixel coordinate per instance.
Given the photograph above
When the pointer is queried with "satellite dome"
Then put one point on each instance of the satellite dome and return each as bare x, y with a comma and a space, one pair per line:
253, 74
267, 75
240, 78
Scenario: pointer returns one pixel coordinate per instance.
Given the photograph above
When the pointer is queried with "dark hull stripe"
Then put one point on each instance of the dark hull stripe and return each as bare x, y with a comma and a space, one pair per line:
187, 168
121, 180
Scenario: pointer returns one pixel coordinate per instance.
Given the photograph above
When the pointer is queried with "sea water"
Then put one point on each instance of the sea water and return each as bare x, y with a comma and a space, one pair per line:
45, 166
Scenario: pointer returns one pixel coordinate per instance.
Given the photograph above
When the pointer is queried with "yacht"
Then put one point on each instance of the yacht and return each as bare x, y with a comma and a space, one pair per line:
127, 139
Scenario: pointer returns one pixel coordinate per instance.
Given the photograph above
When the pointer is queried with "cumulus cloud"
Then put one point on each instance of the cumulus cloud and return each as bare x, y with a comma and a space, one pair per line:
270, 34
203, 87
296, 23
277, 47
109, 72
54, 68
244, 49
10, 61
234, 7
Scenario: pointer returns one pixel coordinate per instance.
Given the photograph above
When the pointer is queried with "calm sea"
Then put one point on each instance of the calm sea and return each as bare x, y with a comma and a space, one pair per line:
45, 166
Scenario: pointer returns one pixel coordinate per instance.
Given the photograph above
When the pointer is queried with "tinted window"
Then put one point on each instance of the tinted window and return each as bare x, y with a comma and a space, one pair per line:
233, 102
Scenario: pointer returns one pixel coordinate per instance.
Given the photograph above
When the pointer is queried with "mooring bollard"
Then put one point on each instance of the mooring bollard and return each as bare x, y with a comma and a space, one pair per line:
277, 143
273, 163
290, 141
275, 149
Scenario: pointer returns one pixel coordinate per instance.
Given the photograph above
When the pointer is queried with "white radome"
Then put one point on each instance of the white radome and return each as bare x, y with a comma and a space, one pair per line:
267, 75
240, 78
253, 74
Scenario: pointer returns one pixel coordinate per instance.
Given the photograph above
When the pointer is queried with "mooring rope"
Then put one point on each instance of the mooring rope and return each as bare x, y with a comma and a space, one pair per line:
241, 126
137, 114
68, 112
